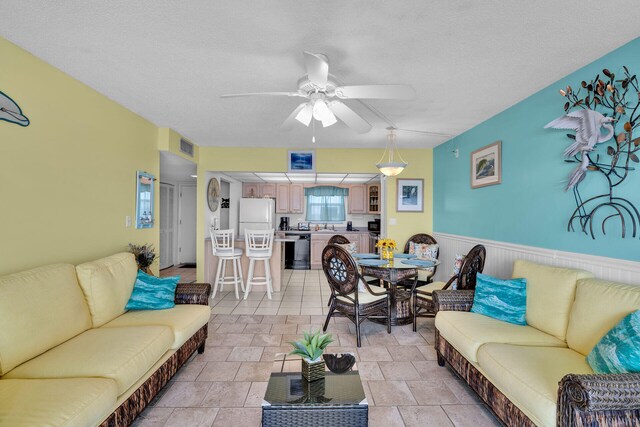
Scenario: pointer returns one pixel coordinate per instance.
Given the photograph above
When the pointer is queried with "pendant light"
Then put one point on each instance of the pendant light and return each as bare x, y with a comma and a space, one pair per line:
392, 166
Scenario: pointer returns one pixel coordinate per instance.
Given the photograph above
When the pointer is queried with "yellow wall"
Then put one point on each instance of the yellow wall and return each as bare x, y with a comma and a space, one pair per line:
354, 160
67, 181
169, 140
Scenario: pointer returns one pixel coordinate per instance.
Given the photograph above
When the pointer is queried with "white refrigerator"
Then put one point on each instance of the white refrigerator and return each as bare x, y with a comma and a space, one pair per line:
257, 214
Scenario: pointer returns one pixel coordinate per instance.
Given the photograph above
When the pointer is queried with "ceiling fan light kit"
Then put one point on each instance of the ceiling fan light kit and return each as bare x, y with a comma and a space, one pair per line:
392, 166
324, 96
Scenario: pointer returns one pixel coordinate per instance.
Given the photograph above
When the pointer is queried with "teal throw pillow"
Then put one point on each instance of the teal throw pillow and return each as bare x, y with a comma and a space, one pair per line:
504, 300
618, 352
153, 293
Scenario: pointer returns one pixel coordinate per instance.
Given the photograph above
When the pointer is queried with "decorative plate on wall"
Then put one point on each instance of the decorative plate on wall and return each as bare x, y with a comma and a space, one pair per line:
10, 112
213, 194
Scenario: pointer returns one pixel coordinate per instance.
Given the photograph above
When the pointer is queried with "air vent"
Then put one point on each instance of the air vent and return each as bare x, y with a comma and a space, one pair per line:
186, 147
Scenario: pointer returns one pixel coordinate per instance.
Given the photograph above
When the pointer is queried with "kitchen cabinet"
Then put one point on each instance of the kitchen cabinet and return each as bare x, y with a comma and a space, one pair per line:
373, 198
296, 198
318, 242
255, 189
250, 189
289, 198
268, 190
282, 198
357, 199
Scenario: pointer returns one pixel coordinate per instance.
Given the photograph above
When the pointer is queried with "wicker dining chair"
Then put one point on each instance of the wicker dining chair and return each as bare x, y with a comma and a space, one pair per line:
472, 264
343, 276
338, 239
426, 239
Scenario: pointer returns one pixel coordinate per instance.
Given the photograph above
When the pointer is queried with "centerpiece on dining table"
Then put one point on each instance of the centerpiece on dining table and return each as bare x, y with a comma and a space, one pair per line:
386, 246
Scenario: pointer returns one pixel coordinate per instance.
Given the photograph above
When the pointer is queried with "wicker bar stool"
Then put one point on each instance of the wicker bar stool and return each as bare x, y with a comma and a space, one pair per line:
259, 247
223, 244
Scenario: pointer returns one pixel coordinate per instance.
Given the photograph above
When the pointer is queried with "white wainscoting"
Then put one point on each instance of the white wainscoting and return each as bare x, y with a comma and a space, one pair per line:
500, 257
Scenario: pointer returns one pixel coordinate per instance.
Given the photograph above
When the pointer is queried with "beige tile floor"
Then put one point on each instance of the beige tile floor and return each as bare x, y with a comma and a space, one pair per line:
225, 385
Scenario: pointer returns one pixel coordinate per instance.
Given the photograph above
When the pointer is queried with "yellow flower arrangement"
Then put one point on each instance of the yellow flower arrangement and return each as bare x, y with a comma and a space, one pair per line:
388, 244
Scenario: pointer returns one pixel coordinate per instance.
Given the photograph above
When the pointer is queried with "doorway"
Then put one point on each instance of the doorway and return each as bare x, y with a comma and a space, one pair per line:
187, 225
167, 224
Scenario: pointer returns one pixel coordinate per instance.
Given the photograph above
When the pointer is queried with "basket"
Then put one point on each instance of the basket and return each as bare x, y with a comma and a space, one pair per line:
312, 371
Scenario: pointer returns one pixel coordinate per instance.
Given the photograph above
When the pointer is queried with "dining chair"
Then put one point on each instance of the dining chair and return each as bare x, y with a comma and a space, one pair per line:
223, 246
472, 264
338, 239
343, 275
425, 276
259, 247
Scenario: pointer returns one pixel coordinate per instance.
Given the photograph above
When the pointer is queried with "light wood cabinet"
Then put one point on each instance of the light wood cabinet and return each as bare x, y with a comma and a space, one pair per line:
268, 190
250, 189
282, 198
357, 199
296, 198
318, 242
373, 198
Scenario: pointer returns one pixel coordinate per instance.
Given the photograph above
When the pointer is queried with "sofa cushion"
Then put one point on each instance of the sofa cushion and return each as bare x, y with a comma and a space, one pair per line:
501, 299
529, 376
468, 331
73, 402
107, 284
183, 319
39, 309
153, 293
598, 307
550, 293
618, 352
122, 354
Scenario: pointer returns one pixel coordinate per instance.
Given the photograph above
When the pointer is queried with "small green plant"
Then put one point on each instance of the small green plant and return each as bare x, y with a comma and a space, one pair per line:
312, 346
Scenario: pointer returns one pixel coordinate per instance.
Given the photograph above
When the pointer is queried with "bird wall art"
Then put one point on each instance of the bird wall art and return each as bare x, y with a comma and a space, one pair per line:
588, 125
11, 112
602, 110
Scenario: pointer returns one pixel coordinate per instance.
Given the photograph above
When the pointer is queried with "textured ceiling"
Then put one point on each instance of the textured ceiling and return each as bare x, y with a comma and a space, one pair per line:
169, 61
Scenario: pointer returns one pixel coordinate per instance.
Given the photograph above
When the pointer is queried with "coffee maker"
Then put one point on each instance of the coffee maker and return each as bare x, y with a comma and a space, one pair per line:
284, 223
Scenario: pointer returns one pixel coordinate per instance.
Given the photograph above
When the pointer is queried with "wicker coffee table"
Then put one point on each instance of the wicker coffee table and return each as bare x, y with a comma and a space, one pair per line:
336, 400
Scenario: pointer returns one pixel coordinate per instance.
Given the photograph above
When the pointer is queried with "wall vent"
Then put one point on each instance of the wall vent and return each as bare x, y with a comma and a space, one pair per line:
186, 147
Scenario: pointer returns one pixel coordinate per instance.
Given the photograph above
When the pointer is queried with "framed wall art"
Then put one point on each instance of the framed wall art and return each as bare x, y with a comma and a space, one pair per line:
301, 161
410, 195
486, 165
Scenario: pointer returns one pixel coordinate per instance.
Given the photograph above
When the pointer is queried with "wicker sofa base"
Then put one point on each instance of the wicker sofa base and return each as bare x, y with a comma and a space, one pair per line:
135, 404
500, 405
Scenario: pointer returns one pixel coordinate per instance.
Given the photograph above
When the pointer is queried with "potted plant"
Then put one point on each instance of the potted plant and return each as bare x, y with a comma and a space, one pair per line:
311, 348
145, 255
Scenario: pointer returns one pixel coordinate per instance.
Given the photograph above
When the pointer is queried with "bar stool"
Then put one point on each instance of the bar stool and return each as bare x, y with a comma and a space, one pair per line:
259, 247
222, 242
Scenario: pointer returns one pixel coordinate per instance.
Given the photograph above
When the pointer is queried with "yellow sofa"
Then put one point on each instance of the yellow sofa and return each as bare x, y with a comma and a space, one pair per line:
71, 355
537, 374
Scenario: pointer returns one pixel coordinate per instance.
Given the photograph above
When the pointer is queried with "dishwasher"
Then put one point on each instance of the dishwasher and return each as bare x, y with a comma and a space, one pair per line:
298, 253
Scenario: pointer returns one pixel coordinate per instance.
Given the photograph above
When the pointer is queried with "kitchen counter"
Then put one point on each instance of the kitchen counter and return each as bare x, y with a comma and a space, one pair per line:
322, 231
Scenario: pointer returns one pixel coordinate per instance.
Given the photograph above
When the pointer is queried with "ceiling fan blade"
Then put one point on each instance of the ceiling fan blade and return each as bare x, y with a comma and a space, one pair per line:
349, 117
317, 66
233, 95
290, 122
305, 114
376, 92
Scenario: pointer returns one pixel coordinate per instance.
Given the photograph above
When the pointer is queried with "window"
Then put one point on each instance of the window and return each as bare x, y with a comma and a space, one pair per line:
326, 203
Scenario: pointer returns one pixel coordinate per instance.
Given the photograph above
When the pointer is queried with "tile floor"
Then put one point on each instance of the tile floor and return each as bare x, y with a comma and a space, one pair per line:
187, 274
225, 385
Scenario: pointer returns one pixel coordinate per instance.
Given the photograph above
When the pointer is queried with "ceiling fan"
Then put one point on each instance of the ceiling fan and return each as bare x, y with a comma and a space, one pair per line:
324, 96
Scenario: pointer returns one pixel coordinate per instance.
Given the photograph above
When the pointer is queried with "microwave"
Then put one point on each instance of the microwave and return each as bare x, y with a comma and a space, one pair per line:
373, 226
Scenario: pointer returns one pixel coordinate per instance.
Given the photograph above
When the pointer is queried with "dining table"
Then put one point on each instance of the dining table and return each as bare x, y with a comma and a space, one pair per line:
401, 268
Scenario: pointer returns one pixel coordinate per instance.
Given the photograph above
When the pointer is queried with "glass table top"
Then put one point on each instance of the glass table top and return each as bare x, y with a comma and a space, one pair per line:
398, 263
287, 386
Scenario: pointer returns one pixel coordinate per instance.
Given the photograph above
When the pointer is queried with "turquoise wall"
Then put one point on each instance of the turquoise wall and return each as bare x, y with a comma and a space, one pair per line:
530, 207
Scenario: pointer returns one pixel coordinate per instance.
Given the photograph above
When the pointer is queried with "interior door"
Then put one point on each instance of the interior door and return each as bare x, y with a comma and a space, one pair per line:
187, 225
167, 229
